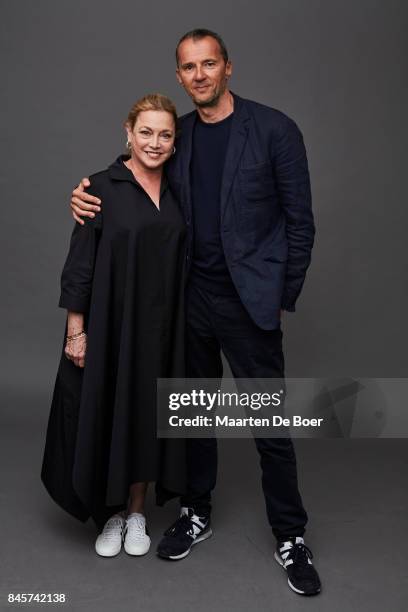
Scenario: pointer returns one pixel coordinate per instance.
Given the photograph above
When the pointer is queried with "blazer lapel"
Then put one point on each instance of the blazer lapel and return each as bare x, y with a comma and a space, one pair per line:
237, 140
185, 160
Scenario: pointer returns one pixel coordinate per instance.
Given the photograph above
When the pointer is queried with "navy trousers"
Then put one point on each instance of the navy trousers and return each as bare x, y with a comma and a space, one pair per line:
220, 322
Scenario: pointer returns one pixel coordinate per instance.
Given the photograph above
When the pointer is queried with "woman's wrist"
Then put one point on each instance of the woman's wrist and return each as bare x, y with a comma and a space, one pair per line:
76, 336
75, 323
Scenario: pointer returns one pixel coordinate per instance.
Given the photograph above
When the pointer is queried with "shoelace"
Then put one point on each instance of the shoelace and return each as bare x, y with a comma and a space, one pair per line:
110, 531
137, 528
299, 553
183, 525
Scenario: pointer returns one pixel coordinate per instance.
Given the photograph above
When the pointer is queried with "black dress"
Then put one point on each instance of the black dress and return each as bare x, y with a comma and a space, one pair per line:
125, 272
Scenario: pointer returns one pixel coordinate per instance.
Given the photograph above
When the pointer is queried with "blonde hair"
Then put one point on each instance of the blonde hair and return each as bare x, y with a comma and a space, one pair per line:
155, 102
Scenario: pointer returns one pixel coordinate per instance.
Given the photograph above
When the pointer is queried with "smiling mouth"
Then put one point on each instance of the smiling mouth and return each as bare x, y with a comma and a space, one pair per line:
153, 154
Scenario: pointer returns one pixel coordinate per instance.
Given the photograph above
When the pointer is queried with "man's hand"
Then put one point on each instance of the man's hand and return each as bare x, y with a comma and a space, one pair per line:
84, 204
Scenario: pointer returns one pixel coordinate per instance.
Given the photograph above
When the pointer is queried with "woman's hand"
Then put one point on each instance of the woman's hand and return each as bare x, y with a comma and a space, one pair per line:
82, 203
75, 350
75, 347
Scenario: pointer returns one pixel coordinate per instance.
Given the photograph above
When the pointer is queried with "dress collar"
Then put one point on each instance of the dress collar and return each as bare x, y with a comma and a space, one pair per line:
119, 172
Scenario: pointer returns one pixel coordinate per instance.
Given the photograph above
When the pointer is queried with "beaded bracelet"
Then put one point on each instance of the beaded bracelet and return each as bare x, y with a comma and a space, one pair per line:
76, 336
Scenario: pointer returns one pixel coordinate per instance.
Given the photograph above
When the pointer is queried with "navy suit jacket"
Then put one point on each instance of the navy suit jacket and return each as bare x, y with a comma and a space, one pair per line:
266, 223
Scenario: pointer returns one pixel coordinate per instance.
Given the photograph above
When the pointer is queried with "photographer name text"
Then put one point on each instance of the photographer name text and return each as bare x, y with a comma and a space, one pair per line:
230, 422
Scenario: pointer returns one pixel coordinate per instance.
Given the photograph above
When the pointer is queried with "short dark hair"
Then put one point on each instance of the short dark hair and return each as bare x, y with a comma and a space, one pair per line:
200, 33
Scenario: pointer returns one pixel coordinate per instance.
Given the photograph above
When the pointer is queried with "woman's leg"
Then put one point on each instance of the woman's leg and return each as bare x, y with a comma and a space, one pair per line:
137, 495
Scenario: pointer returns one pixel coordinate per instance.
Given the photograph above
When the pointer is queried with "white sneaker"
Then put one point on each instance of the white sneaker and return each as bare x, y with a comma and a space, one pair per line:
109, 542
136, 542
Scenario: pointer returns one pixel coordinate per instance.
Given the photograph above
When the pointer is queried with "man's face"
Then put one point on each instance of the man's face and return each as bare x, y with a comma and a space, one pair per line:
202, 70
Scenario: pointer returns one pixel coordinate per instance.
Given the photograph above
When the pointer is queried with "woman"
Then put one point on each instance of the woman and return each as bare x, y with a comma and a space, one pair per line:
122, 285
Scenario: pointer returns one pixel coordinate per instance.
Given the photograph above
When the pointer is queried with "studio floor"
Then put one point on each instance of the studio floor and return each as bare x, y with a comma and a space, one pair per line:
353, 490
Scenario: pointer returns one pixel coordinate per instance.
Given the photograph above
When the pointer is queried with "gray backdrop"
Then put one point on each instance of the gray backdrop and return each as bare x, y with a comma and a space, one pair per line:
70, 71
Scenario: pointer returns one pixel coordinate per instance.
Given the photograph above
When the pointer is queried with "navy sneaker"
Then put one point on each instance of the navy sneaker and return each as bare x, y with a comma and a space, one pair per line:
295, 557
187, 531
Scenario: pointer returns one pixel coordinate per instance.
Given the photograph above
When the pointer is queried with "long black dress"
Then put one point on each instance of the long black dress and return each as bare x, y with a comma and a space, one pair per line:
125, 272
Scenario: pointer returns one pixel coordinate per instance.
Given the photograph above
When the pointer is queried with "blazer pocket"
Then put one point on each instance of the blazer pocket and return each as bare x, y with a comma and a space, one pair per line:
264, 166
257, 183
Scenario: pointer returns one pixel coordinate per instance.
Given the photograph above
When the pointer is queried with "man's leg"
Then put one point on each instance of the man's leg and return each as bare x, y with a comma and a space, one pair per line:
203, 360
255, 353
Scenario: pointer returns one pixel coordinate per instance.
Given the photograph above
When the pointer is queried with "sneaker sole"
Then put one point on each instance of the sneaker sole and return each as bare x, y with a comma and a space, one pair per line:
201, 538
279, 560
109, 555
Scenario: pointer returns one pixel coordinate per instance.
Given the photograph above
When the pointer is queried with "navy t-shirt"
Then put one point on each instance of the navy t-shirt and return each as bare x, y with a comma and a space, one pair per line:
209, 268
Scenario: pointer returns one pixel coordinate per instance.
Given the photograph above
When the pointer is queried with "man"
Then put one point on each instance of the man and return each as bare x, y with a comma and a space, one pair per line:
241, 175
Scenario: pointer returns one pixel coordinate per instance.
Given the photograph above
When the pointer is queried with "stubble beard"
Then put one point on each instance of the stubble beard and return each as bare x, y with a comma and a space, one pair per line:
208, 103
213, 101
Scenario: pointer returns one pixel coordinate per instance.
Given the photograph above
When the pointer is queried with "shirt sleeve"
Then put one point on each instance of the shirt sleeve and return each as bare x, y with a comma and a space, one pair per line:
78, 271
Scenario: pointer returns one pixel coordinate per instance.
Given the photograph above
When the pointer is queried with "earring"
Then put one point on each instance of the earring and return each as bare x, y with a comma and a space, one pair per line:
128, 145
174, 150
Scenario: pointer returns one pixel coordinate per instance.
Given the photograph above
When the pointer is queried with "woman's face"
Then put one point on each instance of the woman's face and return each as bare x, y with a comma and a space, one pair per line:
152, 138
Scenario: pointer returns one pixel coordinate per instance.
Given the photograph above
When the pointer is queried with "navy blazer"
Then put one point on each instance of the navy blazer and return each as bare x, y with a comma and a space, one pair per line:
266, 224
